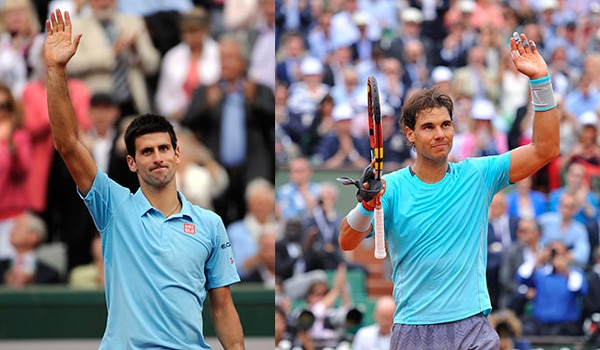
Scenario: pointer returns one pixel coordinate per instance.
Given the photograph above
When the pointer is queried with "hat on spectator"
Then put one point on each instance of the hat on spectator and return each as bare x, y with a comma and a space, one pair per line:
466, 6
441, 73
588, 118
387, 110
483, 109
360, 18
342, 111
548, 5
103, 99
311, 66
411, 15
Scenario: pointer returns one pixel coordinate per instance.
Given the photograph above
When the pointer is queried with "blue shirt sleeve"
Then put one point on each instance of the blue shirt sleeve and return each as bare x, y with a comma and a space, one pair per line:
220, 267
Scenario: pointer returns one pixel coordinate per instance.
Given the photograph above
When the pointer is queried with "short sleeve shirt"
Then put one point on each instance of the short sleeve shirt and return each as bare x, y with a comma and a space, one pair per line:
157, 269
437, 239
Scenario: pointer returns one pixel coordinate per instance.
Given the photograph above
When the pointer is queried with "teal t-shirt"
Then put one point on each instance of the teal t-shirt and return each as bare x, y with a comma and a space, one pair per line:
437, 239
157, 269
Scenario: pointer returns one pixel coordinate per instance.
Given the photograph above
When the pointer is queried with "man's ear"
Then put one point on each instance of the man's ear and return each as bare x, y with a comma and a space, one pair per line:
131, 163
410, 134
177, 155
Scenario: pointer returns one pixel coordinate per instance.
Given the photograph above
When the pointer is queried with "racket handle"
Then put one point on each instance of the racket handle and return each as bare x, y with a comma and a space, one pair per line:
379, 235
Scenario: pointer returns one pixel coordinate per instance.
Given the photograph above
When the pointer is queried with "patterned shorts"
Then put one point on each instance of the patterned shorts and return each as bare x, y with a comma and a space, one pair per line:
473, 333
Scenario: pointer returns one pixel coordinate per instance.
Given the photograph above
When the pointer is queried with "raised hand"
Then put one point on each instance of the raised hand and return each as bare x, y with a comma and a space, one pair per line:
526, 57
59, 46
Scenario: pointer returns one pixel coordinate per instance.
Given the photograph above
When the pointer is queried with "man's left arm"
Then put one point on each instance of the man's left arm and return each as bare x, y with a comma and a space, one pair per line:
225, 319
545, 142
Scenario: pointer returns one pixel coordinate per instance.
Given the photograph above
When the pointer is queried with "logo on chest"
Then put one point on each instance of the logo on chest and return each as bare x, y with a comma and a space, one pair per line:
189, 229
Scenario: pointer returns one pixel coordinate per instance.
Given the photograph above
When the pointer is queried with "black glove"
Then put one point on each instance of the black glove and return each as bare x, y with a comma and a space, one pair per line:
367, 176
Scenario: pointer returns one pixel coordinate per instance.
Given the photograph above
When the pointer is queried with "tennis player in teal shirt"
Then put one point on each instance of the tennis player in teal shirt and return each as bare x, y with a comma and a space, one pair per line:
436, 215
162, 255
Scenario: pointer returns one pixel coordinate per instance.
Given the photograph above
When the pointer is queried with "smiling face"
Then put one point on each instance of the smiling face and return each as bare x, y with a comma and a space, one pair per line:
433, 134
155, 160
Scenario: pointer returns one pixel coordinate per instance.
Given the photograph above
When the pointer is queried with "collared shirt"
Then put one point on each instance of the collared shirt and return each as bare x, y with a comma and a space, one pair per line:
157, 269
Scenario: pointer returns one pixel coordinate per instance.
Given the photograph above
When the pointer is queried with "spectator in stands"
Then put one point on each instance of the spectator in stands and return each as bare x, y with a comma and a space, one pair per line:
461, 37
591, 301
393, 83
262, 61
587, 149
416, 64
344, 30
90, 275
398, 153
235, 119
526, 249
411, 29
15, 166
263, 270
199, 176
555, 289
501, 234
284, 340
342, 149
25, 268
102, 139
287, 69
304, 97
294, 250
322, 125
324, 222
378, 335
259, 219
20, 39
582, 98
484, 138
561, 225
327, 304
117, 55
475, 80
319, 37
299, 195
524, 201
192, 62
576, 184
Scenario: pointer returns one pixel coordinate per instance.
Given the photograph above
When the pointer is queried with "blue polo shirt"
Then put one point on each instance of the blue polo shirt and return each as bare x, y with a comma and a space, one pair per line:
437, 239
157, 269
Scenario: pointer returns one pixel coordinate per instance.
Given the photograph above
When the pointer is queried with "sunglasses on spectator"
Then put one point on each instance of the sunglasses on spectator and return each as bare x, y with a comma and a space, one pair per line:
5, 106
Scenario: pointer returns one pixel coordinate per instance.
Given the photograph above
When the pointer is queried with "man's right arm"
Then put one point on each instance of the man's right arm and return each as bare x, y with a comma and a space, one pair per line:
350, 237
59, 48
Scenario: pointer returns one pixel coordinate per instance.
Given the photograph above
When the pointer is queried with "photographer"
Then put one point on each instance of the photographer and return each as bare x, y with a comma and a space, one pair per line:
554, 287
327, 321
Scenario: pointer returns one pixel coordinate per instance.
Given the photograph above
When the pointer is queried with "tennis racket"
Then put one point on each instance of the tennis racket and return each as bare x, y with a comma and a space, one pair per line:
376, 143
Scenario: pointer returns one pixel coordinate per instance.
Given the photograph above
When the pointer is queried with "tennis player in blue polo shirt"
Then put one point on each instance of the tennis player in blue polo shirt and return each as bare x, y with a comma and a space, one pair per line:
436, 215
162, 254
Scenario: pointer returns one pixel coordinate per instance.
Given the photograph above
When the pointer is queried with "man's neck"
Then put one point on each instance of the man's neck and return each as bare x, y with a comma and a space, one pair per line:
430, 172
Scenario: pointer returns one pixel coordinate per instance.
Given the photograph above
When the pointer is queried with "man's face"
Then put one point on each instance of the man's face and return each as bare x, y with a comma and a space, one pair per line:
155, 159
433, 134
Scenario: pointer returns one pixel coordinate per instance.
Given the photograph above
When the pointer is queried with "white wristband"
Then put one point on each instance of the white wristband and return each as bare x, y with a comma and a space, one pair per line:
542, 94
359, 220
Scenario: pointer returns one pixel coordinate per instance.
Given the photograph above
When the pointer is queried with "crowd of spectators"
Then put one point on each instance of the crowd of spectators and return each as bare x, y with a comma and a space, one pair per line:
202, 64
543, 233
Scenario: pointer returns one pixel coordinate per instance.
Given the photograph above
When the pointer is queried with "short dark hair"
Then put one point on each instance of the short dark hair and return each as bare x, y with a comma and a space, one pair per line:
147, 124
429, 98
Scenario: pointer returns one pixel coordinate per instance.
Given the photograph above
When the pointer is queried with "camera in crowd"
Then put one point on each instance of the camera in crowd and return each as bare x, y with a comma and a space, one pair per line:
345, 322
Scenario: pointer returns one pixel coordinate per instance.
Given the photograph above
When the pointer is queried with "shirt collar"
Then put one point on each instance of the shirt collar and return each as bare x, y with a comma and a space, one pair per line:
144, 205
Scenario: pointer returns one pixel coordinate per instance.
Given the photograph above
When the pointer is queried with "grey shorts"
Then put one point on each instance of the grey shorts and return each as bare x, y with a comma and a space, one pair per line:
473, 333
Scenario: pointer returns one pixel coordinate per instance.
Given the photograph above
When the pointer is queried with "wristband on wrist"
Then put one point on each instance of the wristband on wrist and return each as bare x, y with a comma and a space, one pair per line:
542, 94
359, 218
367, 205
